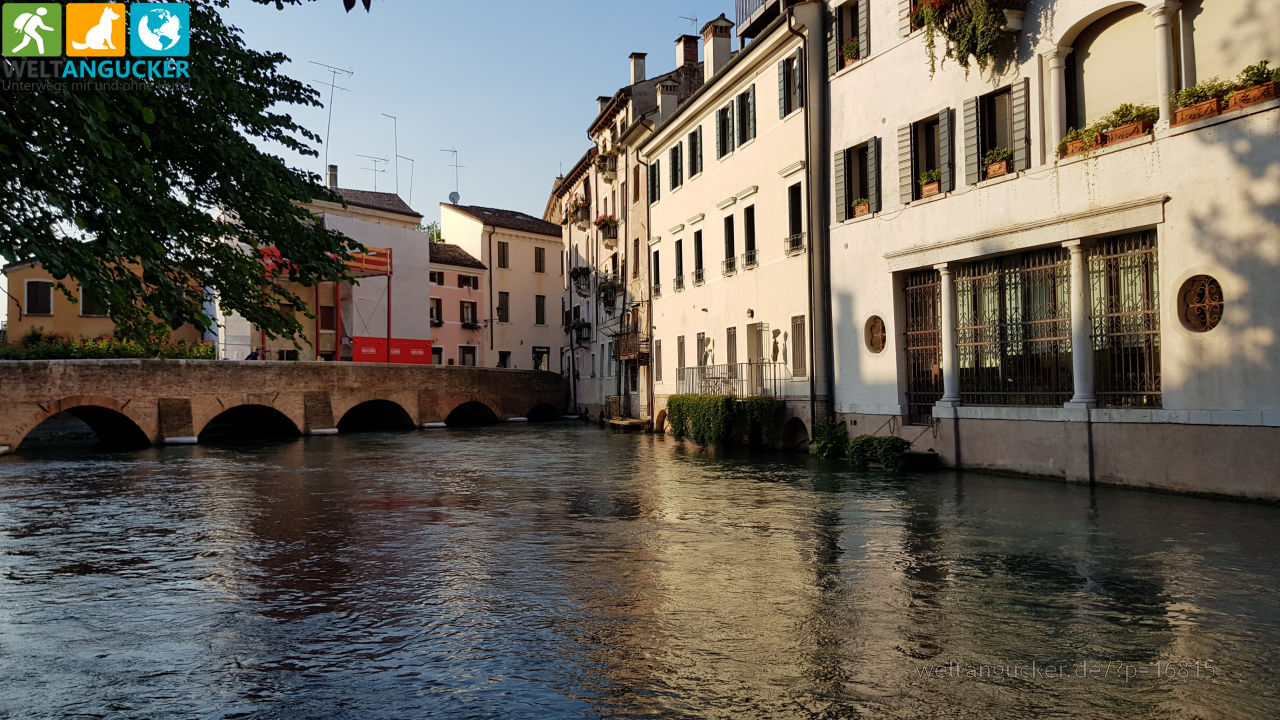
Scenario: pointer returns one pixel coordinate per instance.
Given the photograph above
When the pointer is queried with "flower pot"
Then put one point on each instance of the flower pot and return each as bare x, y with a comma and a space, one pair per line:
1125, 132
860, 210
1252, 96
850, 61
995, 170
1207, 109
1074, 147
930, 189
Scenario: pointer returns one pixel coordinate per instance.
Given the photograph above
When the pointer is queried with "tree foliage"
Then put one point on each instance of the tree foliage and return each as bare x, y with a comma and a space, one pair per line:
117, 188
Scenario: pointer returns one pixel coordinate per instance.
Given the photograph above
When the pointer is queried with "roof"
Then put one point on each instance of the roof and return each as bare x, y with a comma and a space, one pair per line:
508, 219
386, 202
453, 256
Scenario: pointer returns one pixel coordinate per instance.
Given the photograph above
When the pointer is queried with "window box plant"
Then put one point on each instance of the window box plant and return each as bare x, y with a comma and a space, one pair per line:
1256, 84
437, 323
930, 183
998, 162
1200, 101
980, 30
581, 278
579, 212
861, 206
607, 163
1124, 123
608, 291
470, 326
608, 226
851, 51
581, 330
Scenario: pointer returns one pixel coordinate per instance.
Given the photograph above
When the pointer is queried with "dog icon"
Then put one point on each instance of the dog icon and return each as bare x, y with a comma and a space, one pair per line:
99, 36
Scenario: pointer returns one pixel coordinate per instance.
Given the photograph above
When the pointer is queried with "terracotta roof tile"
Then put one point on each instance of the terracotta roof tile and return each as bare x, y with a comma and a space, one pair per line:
509, 219
453, 256
387, 202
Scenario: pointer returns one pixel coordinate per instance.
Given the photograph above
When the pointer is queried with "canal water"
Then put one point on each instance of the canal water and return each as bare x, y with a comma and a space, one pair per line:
564, 572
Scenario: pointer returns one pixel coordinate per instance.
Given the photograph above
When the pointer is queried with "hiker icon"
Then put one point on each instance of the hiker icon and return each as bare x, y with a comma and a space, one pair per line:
30, 25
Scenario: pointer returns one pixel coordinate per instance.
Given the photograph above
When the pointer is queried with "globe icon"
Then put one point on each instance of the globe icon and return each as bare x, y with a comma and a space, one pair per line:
160, 30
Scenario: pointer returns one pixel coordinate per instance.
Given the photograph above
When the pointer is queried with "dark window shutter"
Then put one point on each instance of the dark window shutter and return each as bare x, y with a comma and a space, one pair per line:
719, 134
729, 134
904, 17
906, 179
698, 135
797, 88
655, 181
839, 186
864, 29
751, 112
782, 89
873, 171
946, 151
833, 42
1019, 98
972, 150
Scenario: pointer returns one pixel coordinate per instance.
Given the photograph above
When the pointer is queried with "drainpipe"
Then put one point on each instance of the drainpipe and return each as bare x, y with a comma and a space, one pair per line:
492, 268
647, 294
568, 293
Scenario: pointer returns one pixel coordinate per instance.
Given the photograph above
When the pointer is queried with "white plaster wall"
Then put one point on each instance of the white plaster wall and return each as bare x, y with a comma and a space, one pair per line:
1125, 40
1223, 36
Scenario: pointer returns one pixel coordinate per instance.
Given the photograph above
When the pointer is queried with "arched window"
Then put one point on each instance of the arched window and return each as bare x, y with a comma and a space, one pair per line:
1112, 62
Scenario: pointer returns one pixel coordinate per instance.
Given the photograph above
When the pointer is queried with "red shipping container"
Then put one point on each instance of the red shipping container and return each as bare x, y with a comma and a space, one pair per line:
410, 352
369, 349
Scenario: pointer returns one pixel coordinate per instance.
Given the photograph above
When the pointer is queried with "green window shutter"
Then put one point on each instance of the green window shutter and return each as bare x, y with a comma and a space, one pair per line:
698, 137
839, 186
751, 112
833, 42
904, 17
906, 178
719, 134
946, 151
782, 89
864, 29
873, 172
730, 132
1019, 98
797, 87
972, 149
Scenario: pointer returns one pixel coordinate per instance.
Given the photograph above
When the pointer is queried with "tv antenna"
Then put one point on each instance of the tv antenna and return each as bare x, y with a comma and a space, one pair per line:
454, 196
375, 169
411, 164
395, 125
692, 21
334, 72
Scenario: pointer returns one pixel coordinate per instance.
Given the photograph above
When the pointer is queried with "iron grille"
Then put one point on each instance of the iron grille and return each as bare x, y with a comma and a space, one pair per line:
923, 345
678, 283
698, 276
656, 290
730, 265
737, 379
750, 259
1013, 329
1125, 300
793, 244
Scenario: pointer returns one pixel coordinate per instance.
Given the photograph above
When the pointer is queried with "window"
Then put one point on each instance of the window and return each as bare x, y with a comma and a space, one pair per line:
327, 318
504, 306
850, 27
679, 279
437, 313
702, 350
731, 346
504, 358
287, 355
857, 178
996, 120
657, 361
467, 311
924, 152
39, 297
542, 358
680, 364
1125, 300
922, 344
437, 355
470, 282
655, 181
89, 305
724, 130
695, 152
635, 257
910, 21
676, 162
504, 259
749, 258
635, 184
746, 115
437, 278
467, 355
790, 87
730, 253
539, 309
798, 368
795, 219
697, 258
539, 260
656, 274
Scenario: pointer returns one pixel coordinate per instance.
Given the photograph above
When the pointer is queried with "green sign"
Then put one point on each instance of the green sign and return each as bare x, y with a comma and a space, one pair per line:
31, 30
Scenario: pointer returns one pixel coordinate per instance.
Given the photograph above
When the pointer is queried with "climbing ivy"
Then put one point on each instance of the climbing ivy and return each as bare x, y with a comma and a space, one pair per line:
715, 419
884, 450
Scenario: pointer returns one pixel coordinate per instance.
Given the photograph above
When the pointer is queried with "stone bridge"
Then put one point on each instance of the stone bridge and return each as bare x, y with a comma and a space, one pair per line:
135, 403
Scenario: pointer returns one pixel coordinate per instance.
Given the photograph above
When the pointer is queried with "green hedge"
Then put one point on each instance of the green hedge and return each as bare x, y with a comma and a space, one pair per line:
832, 442
37, 346
716, 419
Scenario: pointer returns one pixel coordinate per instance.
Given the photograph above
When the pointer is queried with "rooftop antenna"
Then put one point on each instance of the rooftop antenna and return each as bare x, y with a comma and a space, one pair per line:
411, 164
396, 135
332, 85
692, 21
375, 168
454, 196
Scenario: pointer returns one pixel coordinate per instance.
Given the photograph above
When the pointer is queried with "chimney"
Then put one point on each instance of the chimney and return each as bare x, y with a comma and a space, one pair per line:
603, 102
667, 101
637, 68
333, 176
686, 50
718, 41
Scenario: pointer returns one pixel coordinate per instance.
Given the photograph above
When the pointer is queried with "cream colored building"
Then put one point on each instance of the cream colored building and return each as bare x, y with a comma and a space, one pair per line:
960, 318
525, 282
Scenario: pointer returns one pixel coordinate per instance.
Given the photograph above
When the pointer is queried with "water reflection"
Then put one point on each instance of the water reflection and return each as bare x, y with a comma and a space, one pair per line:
559, 571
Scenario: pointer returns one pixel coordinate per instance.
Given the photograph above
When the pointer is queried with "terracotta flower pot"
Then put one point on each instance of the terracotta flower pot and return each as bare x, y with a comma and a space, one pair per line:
930, 189
1207, 109
1074, 147
995, 170
1125, 132
1252, 96
862, 209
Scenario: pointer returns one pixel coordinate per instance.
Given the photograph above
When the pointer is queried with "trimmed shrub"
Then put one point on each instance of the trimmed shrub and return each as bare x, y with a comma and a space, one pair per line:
38, 346
712, 419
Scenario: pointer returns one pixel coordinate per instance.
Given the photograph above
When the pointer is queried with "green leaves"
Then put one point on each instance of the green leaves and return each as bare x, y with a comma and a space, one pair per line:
716, 419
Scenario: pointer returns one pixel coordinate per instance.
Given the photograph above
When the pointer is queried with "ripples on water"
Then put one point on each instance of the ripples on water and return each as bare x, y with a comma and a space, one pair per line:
563, 571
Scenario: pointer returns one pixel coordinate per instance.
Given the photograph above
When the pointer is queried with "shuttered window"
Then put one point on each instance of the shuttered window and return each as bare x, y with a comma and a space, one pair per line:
924, 147
746, 115
695, 152
850, 21
657, 361
790, 85
857, 177
799, 367
996, 120
676, 161
39, 297
655, 181
724, 131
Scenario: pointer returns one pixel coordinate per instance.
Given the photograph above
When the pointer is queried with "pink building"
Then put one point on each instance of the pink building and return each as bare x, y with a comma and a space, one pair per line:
459, 312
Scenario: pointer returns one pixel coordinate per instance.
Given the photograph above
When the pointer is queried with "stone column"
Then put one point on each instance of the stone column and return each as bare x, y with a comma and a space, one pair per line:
1161, 11
1057, 95
950, 360
1081, 326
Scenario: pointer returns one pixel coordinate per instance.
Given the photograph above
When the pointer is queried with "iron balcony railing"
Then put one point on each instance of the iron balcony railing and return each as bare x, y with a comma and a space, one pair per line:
737, 379
793, 244
750, 259
656, 290
630, 346
677, 283
730, 266
699, 276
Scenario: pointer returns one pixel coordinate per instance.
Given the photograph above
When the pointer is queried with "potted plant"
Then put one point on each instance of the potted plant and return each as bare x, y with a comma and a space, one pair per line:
930, 183
977, 29
1200, 101
998, 161
581, 330
861, 206
1256, 84
581, 278
607, 161
471, 326
608, 291
579, 211
608, 226
1124, 123
851, 51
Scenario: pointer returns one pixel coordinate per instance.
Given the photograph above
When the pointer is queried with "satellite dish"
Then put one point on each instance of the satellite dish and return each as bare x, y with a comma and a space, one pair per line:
454, 197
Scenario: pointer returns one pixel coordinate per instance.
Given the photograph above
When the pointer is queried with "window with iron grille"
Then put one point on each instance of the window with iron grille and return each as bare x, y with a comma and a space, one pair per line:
1013, 329
1125, 300
749, 258
922, 344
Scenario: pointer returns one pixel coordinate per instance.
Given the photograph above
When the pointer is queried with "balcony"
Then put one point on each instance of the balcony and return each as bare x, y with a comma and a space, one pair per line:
793, 244
581, 217
699, 276
736, 379
752, 16
631, 346
750, 259
677, 283
730, 266
656, 290
607, 166
581, 332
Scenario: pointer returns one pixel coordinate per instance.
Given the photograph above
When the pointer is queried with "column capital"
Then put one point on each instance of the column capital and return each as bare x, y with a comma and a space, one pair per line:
944, 268
1057, 55
1074, 246
1161, 9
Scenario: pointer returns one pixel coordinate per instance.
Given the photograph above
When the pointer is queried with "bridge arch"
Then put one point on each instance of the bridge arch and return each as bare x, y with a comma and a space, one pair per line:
660, 422
246, 421
376, 416
472, 413
115, 424
795, 434
542, 413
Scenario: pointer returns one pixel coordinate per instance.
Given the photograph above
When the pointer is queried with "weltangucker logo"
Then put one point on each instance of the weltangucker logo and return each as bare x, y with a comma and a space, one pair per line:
42, 47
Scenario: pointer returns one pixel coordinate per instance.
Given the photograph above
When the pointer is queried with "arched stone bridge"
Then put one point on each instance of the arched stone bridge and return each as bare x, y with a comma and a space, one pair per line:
140, 402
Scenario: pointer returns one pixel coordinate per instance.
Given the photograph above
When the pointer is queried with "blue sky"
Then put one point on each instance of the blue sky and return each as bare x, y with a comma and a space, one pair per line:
511, 84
